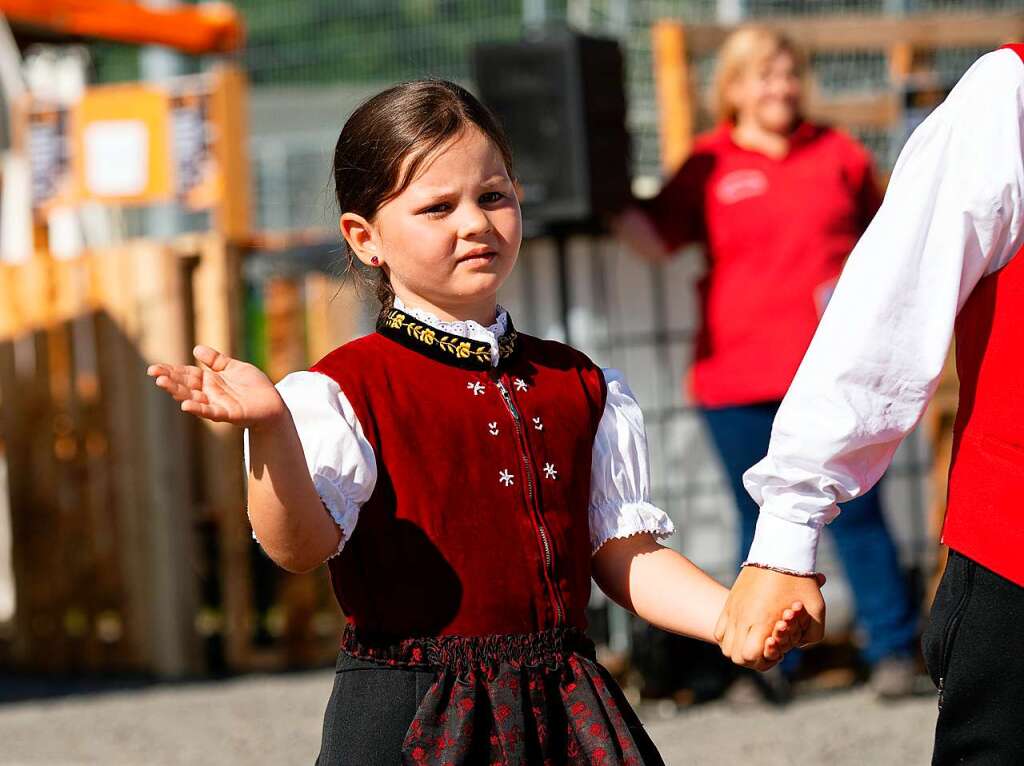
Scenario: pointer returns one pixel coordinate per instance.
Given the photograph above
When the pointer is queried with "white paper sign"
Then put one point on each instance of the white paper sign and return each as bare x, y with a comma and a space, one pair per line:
116, 158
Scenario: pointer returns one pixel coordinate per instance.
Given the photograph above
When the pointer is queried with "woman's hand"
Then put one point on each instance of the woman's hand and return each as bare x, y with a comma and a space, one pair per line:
633, 228
221, 389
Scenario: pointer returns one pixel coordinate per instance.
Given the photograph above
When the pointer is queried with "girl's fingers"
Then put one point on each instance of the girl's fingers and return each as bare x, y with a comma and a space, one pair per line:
175, 389
205, 411
199, 396
783, 634
211, 357
180, 392
771, 650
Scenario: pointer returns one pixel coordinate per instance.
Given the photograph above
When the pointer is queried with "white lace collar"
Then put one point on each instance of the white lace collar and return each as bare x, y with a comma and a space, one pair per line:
468, 329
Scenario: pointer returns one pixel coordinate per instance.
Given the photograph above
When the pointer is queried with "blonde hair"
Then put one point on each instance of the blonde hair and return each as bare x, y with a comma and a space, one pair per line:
748, 46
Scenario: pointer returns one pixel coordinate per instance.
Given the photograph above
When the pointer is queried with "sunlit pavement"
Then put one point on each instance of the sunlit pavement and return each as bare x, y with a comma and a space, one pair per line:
276, 719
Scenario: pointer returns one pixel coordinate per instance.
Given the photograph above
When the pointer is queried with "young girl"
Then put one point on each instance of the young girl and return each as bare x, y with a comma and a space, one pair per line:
463, 481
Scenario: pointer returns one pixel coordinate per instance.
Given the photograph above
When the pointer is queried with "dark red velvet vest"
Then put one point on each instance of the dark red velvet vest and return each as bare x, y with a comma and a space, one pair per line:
478, 523
985, 514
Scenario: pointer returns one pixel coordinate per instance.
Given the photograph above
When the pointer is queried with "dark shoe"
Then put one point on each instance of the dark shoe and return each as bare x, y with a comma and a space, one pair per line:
894, 677
752, 687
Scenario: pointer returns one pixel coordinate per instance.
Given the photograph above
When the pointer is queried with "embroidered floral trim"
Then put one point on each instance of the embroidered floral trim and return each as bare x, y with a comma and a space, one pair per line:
468, 329
446, 347
545, 649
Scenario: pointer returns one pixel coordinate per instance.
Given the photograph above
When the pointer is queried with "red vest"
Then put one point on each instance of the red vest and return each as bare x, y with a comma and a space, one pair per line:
985, 513
478, 523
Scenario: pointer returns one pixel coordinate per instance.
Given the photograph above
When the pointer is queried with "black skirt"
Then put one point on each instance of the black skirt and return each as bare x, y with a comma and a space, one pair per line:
538, 698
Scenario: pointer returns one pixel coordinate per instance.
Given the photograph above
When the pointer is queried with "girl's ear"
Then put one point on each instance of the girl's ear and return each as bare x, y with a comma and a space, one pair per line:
361, 237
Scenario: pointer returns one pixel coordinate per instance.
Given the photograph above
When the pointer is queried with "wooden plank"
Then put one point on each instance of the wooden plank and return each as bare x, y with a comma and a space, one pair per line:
160, 295
673, 94
217, 289
871, 111
11, 322
112, 290
333, 310
229, 113
285, 313
14, 432
873, 32
36, 522
106, 648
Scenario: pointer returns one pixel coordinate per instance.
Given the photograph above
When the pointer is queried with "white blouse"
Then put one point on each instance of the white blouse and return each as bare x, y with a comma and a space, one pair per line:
344, 469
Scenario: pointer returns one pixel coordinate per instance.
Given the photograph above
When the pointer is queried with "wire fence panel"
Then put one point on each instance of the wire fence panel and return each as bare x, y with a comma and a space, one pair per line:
334, 52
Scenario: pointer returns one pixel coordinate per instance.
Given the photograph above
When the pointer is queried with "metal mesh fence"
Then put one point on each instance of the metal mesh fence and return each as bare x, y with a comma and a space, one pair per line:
322, 41
623, 313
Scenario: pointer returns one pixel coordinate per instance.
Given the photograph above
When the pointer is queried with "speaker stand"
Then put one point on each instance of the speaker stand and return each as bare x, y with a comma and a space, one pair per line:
561, 239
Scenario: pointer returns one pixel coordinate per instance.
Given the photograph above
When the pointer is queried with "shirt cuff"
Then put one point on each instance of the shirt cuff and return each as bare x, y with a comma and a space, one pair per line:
785, 544
343, 510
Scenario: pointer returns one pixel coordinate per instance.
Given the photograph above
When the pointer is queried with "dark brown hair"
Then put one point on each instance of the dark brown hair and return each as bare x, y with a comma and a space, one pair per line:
409, 120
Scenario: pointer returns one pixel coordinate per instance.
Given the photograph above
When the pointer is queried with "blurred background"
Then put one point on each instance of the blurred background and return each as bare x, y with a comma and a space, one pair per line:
166, 181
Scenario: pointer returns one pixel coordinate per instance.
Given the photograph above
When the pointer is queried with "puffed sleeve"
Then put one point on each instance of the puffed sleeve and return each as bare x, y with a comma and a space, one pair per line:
620, 483
339, 458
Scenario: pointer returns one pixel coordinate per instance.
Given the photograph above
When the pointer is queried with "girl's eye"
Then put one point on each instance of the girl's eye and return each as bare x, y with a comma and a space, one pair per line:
491, 197
436, 210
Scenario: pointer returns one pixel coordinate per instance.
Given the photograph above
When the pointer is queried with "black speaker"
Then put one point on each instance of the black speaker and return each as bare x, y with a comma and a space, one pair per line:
561, 99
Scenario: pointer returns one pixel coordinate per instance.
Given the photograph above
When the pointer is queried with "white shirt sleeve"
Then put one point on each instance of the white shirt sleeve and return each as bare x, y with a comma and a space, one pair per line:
339, 458
952, 214
620, 483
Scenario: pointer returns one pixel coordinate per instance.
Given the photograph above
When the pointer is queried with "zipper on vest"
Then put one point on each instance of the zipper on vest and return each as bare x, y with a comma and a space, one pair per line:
549, 568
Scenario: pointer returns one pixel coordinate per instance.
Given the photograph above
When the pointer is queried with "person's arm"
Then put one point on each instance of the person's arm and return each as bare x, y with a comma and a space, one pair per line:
951, 215
336, 459
654, 229
635, 229
656, 583
285, 511
666, 589
864, 185
303, 492
659, 585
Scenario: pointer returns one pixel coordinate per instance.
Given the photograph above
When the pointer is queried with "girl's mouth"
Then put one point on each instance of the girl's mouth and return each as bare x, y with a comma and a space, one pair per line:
480, 254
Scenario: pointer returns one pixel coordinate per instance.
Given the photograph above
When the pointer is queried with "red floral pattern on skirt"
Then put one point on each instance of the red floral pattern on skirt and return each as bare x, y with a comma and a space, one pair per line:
538, 698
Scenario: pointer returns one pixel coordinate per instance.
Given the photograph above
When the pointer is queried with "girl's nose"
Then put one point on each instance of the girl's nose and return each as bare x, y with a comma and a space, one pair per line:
474, 222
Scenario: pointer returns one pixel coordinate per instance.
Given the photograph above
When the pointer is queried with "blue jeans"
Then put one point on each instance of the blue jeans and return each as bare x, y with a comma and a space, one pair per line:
867, 551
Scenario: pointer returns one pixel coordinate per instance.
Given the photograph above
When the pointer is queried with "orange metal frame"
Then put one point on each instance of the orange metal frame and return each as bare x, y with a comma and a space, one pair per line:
208, 28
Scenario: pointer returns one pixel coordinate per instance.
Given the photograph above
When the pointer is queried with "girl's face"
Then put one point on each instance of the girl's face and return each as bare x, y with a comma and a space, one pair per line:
451, 238
769, 93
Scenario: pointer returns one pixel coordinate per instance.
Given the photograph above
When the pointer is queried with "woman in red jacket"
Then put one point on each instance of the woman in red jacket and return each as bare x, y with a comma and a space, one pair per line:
778, 204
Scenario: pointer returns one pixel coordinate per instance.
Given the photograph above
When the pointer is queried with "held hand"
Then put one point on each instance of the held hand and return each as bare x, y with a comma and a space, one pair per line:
787, 634
221, 389
755, 602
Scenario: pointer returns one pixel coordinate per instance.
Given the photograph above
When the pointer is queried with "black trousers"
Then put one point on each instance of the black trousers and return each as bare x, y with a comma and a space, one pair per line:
358, 734
974, 650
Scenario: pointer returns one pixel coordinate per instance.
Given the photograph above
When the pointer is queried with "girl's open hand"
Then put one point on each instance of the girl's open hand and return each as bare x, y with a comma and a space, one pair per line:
787, 634
221, 389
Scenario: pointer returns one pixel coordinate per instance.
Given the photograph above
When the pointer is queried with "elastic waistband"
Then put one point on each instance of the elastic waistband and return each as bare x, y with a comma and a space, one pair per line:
545, 649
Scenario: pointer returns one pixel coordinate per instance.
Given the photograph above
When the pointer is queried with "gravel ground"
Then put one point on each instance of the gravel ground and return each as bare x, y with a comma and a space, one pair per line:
276, 719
